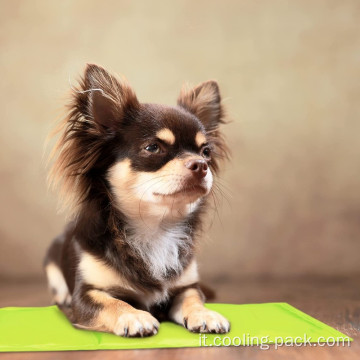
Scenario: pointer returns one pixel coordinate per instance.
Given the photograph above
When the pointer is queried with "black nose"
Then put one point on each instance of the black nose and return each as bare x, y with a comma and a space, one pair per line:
198, 167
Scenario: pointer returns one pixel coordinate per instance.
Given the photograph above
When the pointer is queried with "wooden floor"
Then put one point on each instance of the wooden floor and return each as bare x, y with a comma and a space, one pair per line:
333, 301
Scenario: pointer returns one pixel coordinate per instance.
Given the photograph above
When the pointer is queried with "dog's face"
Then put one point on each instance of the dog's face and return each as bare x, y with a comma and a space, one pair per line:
163, 165
157, 160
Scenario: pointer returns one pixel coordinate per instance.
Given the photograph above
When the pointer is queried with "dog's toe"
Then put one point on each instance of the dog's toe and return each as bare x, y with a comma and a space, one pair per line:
206, 321
136, 324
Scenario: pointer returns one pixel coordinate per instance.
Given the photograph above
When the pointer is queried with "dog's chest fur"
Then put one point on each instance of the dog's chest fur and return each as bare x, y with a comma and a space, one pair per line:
153, 262
164, 250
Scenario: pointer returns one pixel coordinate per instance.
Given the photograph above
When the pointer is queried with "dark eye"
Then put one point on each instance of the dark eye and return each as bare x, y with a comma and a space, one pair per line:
153, 148
206, 152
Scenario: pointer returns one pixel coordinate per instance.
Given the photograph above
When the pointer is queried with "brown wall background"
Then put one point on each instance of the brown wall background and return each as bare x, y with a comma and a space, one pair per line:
289, 73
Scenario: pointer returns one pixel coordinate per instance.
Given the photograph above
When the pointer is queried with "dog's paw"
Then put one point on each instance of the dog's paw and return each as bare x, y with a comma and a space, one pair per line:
134, 324
206, 321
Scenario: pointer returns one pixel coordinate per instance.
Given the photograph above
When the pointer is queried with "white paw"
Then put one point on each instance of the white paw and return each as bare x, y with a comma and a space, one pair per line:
138, 323
206, 321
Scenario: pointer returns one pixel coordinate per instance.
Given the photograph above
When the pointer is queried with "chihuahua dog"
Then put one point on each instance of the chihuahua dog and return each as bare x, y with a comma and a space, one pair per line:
135, 179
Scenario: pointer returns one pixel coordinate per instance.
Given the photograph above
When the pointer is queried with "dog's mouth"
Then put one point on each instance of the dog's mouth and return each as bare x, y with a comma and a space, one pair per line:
185, 191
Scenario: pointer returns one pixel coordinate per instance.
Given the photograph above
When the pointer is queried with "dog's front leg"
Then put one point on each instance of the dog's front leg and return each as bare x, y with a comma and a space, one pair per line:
188, 310
97, 310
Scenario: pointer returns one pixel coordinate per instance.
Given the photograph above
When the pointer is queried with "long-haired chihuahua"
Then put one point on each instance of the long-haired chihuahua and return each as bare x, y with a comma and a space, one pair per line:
135, 178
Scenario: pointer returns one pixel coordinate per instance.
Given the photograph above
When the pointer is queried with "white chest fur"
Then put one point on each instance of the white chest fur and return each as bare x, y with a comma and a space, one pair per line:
160, 248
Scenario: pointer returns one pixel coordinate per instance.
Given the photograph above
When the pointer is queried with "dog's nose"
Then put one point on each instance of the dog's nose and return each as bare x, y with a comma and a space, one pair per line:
198, 167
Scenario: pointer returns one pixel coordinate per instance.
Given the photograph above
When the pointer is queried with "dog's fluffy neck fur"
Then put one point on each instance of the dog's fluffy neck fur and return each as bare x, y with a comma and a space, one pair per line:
165, 245
161, 240
160, 246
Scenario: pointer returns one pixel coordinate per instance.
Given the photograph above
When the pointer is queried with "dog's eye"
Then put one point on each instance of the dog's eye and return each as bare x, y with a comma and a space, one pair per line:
206, 152
153, 148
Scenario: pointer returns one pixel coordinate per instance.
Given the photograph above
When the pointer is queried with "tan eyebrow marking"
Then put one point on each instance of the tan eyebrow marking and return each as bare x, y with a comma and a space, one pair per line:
200, 139
166, 135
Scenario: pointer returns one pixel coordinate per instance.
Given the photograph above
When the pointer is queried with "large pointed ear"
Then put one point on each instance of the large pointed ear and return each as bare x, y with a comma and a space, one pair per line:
107, 97
204, 101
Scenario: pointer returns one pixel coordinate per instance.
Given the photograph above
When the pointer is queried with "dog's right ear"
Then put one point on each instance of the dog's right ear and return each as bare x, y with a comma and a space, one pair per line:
104, 99
99, 106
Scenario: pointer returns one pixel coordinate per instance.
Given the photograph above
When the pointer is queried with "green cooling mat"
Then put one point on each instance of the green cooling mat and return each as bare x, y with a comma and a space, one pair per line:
47, 329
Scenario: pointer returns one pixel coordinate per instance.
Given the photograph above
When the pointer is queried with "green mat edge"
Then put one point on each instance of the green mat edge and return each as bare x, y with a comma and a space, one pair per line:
303, 315
129, 346
317, 322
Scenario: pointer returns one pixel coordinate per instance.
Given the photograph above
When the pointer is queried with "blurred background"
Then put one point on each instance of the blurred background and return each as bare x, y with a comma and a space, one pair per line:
289, 75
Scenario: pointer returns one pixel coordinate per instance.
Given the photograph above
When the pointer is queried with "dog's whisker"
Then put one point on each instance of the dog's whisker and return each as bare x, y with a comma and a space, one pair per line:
223, 194
149, 180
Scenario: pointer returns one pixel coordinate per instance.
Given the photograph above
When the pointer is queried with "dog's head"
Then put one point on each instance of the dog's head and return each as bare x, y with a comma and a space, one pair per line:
150, 159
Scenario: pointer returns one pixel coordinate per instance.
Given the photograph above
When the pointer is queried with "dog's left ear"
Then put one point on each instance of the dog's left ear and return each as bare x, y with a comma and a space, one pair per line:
204, 101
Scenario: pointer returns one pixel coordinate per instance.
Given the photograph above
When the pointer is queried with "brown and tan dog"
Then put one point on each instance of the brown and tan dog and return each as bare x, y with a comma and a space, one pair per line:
135, 178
